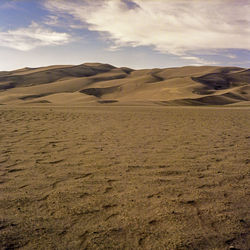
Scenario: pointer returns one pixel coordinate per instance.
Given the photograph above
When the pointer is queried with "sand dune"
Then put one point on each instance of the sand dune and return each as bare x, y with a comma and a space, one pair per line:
98, 157
104, 83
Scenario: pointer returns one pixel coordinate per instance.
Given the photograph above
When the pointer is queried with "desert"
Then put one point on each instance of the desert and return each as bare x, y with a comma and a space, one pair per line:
97, 83
99, 157
125, 125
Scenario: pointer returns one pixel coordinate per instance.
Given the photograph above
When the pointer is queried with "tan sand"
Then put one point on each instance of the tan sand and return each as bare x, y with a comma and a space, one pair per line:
147, 177
95, 83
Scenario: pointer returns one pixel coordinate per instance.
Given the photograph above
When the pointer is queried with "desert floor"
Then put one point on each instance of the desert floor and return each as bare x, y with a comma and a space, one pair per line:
124, 177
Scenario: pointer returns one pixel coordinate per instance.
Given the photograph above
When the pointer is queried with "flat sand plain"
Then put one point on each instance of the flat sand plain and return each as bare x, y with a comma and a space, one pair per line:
124, 178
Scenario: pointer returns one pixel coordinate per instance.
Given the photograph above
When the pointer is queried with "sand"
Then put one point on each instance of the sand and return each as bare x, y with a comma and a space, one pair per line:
95, 83
149, 177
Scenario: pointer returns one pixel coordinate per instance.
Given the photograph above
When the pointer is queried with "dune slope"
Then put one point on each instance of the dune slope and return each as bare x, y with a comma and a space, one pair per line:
93, 83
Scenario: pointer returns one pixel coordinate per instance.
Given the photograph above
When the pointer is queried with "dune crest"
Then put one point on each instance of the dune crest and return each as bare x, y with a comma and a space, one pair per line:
96, 83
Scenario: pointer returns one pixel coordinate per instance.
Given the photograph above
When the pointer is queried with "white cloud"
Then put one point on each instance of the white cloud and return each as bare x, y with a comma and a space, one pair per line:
52, 20
35, 35
231, 56
198, 61
170, 26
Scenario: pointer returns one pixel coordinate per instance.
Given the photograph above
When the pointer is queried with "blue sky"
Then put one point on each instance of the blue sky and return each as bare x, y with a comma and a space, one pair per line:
132, 33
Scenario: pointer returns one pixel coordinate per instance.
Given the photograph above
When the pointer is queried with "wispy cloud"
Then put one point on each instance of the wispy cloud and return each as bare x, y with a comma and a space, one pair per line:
63, 21
197, 61
35, 35
171, 26
52, 20
231, 56
7, 5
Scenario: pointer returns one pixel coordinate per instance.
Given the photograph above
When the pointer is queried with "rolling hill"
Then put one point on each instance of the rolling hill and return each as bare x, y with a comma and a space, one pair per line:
96, 83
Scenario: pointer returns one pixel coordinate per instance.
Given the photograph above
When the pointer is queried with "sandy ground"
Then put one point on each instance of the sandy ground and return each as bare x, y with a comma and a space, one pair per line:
124, 178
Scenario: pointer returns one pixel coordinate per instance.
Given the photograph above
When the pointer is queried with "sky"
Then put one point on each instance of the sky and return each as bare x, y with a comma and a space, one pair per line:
131, 33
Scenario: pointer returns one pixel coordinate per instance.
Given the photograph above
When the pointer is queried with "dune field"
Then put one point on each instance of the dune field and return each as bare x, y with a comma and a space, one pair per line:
98, 157
95, 83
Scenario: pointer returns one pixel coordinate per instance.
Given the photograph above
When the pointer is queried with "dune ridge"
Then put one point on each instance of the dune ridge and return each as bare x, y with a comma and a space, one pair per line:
96, 83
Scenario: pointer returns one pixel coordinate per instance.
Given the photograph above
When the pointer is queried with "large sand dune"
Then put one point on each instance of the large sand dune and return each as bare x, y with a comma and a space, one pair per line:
99, 157
93, 83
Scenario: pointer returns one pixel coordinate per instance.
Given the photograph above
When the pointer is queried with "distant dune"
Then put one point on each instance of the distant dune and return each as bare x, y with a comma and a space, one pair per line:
98, 157
95, 83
